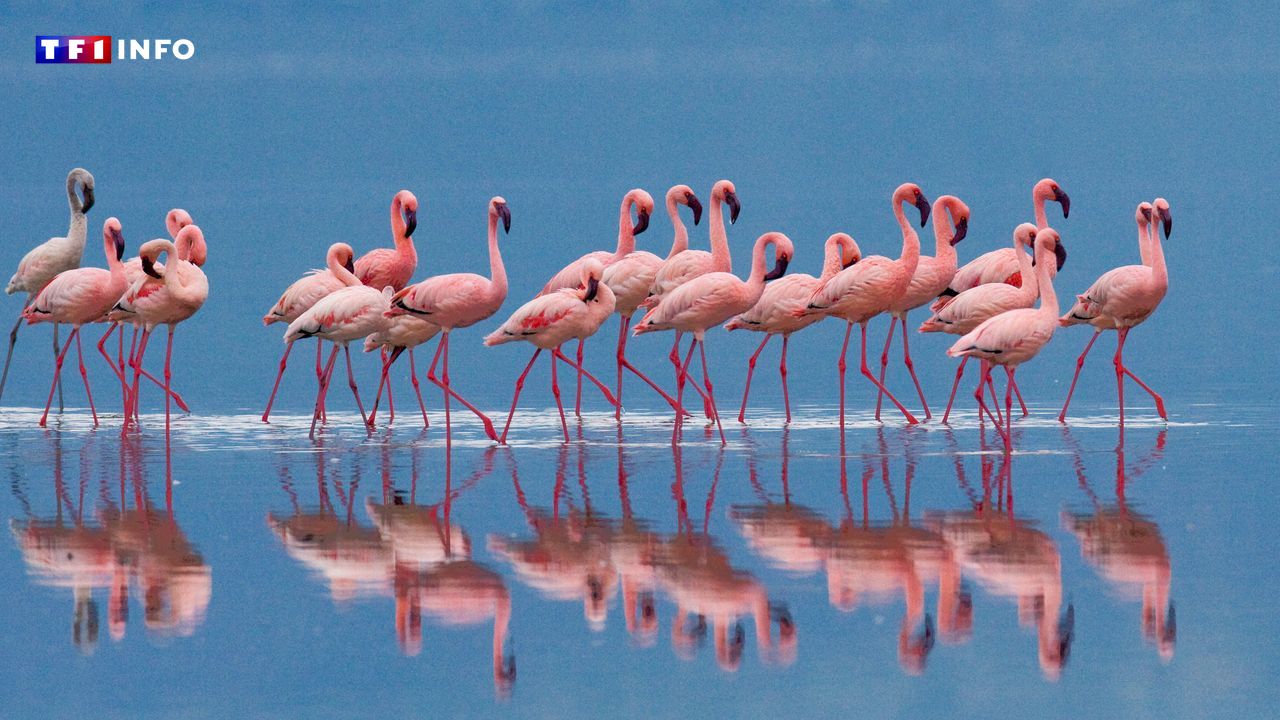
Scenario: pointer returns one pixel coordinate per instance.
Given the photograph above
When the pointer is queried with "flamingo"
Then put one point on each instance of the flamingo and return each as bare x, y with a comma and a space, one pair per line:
1123, 298
1002, 266
871, 287
774, 313
683, 264
385, 267
300, 296
165, 295
708, 300
79, 296
191, 248
631, 278
459, 300
549, 321
351, 313
968, 309
932, 276
51, 257
1015, 336
634, 263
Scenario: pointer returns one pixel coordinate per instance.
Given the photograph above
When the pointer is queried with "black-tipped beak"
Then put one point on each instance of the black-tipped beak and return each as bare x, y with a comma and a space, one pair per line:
1060, 251
593, 285
149, 267
1063, 200
962, 229
1167, 219
779, 269
88, 199
350, 264
922, 204
731, 199
504, 212
410, 222
694, 205
642, 222
118, 239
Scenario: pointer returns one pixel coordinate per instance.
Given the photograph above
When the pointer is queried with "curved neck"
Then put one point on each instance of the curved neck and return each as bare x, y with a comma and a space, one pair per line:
681, 241
398, 227
720, 256
73, 199
910, 240
497, 271
109, 249
758, 269
626, 235
1027, 271
341, 272
1146, 230
1045, 261
943, 230
832, 258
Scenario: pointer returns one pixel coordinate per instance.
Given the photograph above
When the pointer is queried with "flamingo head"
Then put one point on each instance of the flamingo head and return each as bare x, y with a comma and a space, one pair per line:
1024, 236
958, 213
341, 254
724, 192
175, 220
683, 195
1047, 240
783, 251
1161, 209
111, 233
83, 179
150, 252
498, 209
643, 203
1048, 189
850, 254
592, 271
911, 192
407, 203
1142, 215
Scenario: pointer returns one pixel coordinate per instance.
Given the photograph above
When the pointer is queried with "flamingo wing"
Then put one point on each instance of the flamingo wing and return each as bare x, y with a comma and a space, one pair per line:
540, 315
1007, 335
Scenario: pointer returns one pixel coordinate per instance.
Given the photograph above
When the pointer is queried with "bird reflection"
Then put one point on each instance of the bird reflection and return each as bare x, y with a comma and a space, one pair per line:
117, 543
1126, 548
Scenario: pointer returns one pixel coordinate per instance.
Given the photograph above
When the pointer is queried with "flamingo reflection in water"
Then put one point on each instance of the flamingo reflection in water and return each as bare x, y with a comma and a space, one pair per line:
1126, 548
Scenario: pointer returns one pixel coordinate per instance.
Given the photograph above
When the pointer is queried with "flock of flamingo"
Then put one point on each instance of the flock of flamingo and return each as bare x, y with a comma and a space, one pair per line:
990, 302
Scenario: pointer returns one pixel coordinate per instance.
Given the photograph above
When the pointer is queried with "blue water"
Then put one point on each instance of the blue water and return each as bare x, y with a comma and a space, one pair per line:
295, 124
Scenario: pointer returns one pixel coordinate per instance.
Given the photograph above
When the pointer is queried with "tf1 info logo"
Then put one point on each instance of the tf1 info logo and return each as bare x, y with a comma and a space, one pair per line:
96, 49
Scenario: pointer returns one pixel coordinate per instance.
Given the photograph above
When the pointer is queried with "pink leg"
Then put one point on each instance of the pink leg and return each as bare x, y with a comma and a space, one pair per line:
320, 374
555, 391
84, 375
751, 369
391, 404
608, 396
1021, 403
625, 363
284, 361
1119, 363
136, 362
884, 361
446, 387
995, 399
675, 360
577, 403
351, 380
981, 391
516, 396
1154, 396
382, 380
168, 374
866, 372
325, 374
119, 371
448, 412
844, 350
621, 359
782, 371
681, 376
911, 368
1062, 416
954, 386
413, 378
57, 371
706, 377
1008, 406
133, 349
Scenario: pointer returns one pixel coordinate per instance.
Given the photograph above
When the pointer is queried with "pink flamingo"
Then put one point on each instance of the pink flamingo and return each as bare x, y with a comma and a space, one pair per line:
549, 321
871, 287
191, 248
385, 267
80, 296
55, 255
1125, 297
300, 296
683, 264
708, 300
774, 314
569, 276
970, 308
1002, 266
1014, 337
932, 276
354, 312
631, 279
459, 300
164, 296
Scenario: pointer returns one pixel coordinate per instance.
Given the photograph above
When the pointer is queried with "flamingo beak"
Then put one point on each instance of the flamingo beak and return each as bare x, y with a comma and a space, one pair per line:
410, 222
88, 199
642, 222
149, 267
731, 199
505, 213
962, 229
1062, 199
1060, 251
593, 285
350, 264
852, 262
779, 268
922, 204
1167, 219
118, 239
692, 201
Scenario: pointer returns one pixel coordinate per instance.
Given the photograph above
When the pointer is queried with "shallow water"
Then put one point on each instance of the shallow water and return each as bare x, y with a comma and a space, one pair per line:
888, 571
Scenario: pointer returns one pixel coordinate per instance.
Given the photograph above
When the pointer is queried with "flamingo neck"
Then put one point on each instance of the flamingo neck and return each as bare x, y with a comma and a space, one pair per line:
832, 258
1045, 260
626, 235
1158, 270
341, 272
755, 281
74, 200
113, 263
681, 241
1027, 271
720, 257
1037, 199
1145, 232
404, 243
910, 257
497, 271
942, 233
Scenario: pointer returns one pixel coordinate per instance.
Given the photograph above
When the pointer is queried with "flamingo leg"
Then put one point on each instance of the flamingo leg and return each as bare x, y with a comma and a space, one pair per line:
84, 375
382, 380
448, 413
577, 403
681, 377
1155, 396
675, 360
884, 361
516, 396
866, 372
623, 362
133, 349
447, 388
168, 374
58, 380
1119, 363
1021, 403
391, 402
136, 362
320, 374
284, 361
954, 386
413, 378
57, 371
706, 377
982, 405
751, 369
608, 396
1008, 404
995, 399
623, 322
325, 374
119, 371
1062, 416
911, 368
555, 391
13, 340
844, 350
351, 381
782, 371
